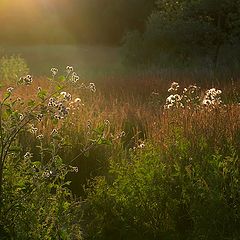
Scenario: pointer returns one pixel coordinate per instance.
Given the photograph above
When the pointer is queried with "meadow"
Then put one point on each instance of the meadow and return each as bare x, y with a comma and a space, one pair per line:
90, 61
109, 155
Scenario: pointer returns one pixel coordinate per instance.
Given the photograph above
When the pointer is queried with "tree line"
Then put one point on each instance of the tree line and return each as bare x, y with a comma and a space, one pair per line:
184, 29
147, 29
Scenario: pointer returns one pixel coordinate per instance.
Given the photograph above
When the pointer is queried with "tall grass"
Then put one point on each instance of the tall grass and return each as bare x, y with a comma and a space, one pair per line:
135, 105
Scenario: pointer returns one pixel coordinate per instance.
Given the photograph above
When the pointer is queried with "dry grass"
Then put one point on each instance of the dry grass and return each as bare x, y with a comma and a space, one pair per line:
130, 107
129, 101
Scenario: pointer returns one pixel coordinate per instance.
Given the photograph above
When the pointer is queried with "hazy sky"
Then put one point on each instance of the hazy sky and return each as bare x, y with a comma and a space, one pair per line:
56, 21
19, 18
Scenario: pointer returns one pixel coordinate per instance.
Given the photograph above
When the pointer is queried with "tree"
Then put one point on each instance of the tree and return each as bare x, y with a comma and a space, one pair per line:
106, 21
192, 27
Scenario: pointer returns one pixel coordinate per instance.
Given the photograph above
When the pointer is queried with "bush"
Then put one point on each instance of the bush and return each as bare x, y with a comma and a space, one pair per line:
12, 68
159, 194
35, 201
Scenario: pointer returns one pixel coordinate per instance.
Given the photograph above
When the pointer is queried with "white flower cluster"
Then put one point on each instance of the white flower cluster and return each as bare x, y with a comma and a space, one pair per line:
47, 174
40, 137
66, 96
27, 80
32, 129
10, 89
71, 75
74, 169
92, 87
58, 107
54, 132
191, 97
174, 87
173, 100
28, 155
74, 78
54, 71
40, 117
212, 97
69, 69
140, 145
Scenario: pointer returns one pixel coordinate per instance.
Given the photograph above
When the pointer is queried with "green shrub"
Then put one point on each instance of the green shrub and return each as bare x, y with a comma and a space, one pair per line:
35, 201
166, 194
12, 68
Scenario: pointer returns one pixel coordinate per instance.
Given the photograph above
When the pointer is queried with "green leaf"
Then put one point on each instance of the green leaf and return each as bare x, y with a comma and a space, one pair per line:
54, 121
58, 161
8, 111
102, 141
62, 79
59, 87
6, 95
42, 94
31, 103
37, 164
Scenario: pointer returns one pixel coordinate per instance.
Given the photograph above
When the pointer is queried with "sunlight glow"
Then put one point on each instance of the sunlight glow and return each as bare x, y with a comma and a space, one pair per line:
32, 17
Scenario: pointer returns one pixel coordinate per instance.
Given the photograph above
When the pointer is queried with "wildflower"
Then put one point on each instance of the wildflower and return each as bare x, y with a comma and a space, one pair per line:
89, 124
54, 71
63, 94
63, 111
10, 89
40, 137
74, 78
141, 145
107, 122
28, 80
75, 169
33, 129
27, 155
212, 98
21, 116
77, 100
174, 87
57, 116
69, 69
173, 101
66, 96
40, 117
92, 87
119, 135
47, 174
54, 132
50, 104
